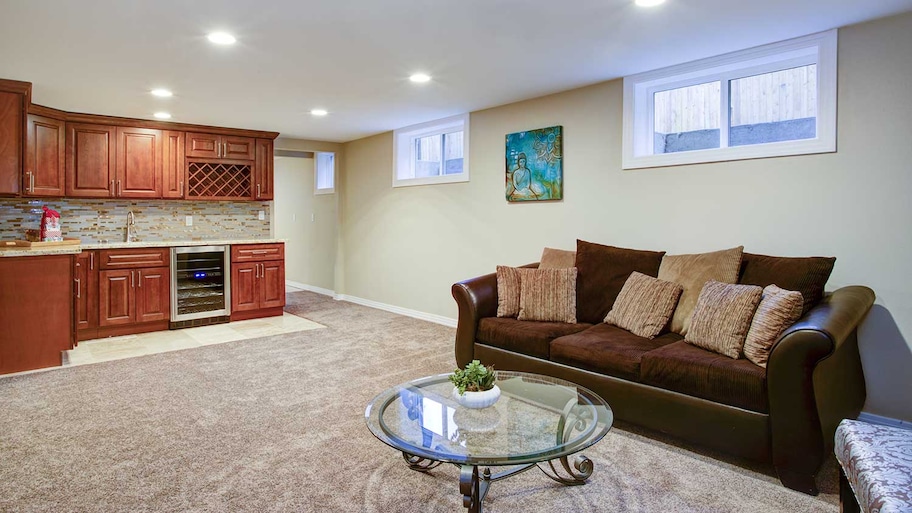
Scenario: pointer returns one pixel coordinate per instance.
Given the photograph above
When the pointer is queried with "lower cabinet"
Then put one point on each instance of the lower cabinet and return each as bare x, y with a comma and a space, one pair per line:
36, 311
131, 296
257, 280
86, 306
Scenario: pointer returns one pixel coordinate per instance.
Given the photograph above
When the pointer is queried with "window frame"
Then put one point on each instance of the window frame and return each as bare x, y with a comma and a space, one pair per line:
404, 151
324, 190
639, 104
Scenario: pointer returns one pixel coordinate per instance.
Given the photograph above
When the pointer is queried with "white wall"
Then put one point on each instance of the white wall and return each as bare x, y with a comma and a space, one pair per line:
407, 246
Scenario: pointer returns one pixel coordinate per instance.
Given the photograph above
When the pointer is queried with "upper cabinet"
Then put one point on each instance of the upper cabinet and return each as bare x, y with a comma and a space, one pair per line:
139, 163
172, 164
224, 147
12, 111
90, 165
44, 157
263, 171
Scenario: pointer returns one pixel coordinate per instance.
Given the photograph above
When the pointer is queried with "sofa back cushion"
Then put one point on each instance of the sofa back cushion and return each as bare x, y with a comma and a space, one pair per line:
602, 272
547, 295
508, 287
644, 305
557, 259
722, 317
778, 310
692, 272
807, 275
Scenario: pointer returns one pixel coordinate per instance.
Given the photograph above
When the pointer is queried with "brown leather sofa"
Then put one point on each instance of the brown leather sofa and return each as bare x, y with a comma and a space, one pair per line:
785, 414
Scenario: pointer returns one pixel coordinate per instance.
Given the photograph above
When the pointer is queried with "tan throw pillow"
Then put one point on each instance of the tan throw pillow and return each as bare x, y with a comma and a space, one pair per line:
692, 272
644, 305
508, 287
548, 295
778, 310
557, 259
722, 317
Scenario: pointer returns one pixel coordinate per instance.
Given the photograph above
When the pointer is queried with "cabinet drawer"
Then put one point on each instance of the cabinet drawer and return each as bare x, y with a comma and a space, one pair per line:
133, 258
257, 252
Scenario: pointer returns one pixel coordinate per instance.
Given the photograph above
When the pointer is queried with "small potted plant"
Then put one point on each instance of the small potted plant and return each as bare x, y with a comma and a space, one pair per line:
474, 386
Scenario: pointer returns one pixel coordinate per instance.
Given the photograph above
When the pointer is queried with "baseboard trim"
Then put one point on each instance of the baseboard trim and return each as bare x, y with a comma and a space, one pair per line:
311, 288
424, 316
884, 421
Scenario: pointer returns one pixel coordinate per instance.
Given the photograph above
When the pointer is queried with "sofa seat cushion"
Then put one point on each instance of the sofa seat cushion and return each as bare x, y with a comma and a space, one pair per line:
607, 349
684, 368
526, 337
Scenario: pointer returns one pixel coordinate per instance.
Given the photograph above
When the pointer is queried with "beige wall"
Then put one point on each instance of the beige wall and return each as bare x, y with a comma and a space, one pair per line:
309, 223
407, 246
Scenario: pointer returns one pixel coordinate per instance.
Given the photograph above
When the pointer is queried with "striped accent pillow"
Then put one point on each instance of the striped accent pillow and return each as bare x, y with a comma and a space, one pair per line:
723, 316
508, 286
778, 310
548, 295
644, 305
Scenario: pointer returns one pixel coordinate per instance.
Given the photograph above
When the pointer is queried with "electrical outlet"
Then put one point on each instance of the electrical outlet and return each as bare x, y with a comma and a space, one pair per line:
261, 215
313, 217
189, 220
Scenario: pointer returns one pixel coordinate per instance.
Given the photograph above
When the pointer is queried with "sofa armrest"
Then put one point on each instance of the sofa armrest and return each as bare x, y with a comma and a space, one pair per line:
826, 332
476, 299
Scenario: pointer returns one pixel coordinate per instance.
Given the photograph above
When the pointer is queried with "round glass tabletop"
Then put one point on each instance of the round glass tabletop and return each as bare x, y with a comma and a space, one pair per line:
537, 418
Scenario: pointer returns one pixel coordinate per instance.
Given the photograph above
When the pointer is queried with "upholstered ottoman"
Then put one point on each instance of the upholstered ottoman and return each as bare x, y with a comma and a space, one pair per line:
876, 461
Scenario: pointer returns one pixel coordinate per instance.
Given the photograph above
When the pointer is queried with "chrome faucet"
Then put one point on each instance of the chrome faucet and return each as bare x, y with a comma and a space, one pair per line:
131, 224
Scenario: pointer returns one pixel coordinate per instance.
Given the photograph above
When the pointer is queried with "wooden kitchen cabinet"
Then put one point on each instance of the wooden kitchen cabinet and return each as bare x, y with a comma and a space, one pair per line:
138, 173
224, 147
134, 291
257, 280
12, 112
263, 170
36, 311
86, 306
173, 164
45, 158
90, 160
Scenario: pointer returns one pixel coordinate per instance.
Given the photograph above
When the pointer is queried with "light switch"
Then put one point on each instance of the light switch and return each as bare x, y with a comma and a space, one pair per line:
189, 220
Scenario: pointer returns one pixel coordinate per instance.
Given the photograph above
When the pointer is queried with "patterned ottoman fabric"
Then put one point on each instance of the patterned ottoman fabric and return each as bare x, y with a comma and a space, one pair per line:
877, 461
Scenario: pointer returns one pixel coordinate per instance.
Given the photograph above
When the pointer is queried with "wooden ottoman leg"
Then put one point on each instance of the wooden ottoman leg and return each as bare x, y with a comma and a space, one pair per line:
847, 501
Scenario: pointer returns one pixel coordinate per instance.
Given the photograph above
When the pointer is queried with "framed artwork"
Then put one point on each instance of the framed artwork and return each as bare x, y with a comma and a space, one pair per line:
535, 169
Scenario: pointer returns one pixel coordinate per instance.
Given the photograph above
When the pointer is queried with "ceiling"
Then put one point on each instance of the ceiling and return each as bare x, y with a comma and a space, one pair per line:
353, 57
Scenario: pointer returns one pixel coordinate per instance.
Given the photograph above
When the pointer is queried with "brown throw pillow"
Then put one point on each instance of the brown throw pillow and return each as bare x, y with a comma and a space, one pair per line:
692, 272
603, 270
548, 295
644, 305
778, 310
508, 287
807, 275
557, 259
722, 317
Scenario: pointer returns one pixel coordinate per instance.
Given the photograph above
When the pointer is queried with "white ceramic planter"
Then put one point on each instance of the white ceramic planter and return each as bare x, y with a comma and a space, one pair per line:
477, 399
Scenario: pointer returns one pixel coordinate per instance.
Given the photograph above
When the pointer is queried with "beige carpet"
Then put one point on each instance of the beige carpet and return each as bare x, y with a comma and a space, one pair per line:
276, 424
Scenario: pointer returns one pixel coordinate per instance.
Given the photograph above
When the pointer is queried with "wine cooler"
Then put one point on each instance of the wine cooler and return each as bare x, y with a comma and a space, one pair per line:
200, 286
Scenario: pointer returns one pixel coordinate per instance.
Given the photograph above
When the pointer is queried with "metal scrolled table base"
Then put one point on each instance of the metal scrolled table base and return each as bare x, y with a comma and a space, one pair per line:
474, 487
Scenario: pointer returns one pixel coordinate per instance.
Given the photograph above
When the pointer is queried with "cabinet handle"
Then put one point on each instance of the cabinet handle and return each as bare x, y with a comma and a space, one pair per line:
140, 278
180, 188
30, 185
218, 150
132, 283
225, 151
92, 261
113, 190
119, 188
78, 289
256, 268
260, 251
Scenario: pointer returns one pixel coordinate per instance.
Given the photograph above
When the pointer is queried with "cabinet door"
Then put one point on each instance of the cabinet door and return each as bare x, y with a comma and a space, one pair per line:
203, 145
153, 294
263, 172
272, 284
86, 291
139, 163
115, 297
90, 158
238, 148
12, 107
173, 164
45, 157
244, 278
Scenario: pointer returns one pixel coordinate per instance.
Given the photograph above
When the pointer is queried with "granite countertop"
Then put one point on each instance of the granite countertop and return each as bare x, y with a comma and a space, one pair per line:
77, 248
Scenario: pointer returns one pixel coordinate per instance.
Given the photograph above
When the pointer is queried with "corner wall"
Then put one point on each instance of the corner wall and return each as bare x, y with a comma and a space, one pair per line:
407, 246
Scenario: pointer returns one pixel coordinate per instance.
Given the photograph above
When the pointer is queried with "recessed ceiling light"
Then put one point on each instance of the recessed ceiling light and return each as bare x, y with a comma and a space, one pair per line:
162, 93
649, 3
221, 38
420, 78
319, 112
162, 115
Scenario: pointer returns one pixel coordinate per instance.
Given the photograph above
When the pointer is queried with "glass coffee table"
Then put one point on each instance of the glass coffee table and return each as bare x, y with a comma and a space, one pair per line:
539, 421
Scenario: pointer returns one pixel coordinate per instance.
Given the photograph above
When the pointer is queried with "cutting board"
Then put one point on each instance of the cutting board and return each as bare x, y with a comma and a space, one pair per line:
67, 241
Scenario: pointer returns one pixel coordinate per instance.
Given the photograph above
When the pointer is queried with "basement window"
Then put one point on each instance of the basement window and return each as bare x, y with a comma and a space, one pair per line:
431, 153
769, 101
325, 173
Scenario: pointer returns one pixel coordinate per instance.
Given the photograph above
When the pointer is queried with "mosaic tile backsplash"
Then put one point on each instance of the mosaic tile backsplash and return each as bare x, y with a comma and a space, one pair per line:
103, 220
